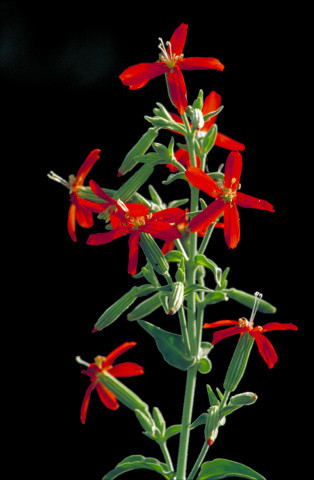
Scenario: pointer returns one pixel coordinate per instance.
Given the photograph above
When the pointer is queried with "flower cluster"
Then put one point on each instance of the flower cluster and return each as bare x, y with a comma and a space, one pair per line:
185, 233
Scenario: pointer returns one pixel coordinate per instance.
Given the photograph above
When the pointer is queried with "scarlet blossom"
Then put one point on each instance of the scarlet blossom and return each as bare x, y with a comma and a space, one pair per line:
211, 103
227, 199
80, 209
105, 364
264, 346
171, 62
136, 220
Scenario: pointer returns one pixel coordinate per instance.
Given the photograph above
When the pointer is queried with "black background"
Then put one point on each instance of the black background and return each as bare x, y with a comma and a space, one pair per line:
62, 98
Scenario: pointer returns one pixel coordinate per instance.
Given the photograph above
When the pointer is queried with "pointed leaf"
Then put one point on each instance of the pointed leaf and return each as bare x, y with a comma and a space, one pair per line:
170, 346
221, 468
135, 462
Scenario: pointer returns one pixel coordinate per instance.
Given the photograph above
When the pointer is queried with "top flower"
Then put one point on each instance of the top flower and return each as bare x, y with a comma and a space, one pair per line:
170, 62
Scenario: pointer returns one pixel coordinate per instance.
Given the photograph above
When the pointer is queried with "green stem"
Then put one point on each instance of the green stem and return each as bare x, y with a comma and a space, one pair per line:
166, 454
184, 330
199, 461
186, 420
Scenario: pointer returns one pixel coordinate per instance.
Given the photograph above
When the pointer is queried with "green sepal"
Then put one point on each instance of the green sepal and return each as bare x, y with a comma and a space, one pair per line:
112, 313
248, 300
238, 401
134, 183
135, 462
199, 101
238, 362
145, 308
206, 262
222, 468
170, 345
122, 392
153, 253
130, 160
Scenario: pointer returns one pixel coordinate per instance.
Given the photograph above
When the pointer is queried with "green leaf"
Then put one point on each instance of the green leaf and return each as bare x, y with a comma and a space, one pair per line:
172, 430
206, 262
174, 256
174, 176
170, 346
135, 462
221, 468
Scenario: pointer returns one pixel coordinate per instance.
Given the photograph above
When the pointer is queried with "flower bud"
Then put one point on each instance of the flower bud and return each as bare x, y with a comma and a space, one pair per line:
176, 297
197, 119
145, 308
145, 420
123, 393
238, 362
116, 309
139, 148
247, 398
153, 254
159, 420
198, 103
212, 425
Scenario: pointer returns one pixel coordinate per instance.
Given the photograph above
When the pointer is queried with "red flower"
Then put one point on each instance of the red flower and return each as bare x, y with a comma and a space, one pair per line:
264, 346
227, 199
170, 62
211, 103
81, 210
137, 219
101, 364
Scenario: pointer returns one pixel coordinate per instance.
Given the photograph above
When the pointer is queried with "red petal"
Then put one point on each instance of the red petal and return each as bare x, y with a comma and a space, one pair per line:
211, 103
177, 89
233, 170
107, 397
204, 182
226, 142
162, 230
203, 219
172, 215
273, 326
178, 39
84, 217
265, 348
107, 237
138, 75
100, 193
137, 209
91, 206
85, 402
232, 225
168, 246
117, 352
220, 323
247, 201
133, 252
127, 369
87, 165
200, 63
71, 222
229, 332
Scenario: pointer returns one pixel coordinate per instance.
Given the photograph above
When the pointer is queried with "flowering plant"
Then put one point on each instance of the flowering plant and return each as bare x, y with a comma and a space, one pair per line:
174, 240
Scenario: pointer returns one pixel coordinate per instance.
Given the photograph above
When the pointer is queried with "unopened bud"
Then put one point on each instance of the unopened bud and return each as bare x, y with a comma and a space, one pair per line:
145, 308
212, 425
197, 119
176, 297
134, 183
249, 300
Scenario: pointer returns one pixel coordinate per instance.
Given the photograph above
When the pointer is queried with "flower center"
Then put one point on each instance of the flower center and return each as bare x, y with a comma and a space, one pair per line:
137, 222
228, 194
166, 56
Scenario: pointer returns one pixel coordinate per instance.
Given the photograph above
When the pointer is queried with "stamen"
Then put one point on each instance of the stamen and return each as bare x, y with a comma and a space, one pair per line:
258, 296
58, 179
163, 49
80, 361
